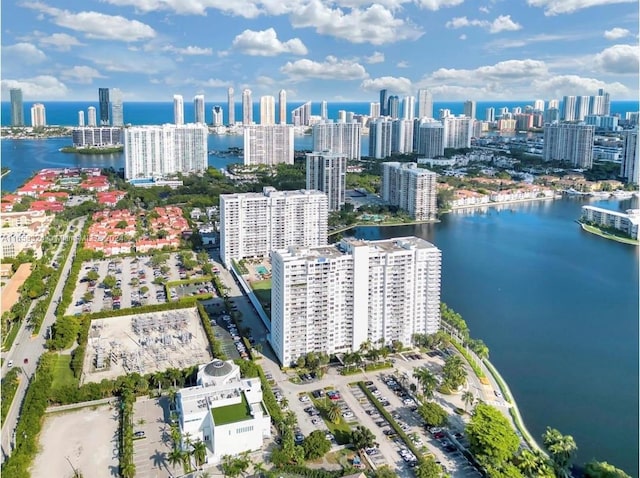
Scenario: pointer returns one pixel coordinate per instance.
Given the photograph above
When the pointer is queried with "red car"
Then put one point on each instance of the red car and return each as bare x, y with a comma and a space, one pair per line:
438, 435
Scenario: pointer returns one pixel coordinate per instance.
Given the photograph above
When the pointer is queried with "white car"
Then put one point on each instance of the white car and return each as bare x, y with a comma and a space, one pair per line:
10, 364
304, 398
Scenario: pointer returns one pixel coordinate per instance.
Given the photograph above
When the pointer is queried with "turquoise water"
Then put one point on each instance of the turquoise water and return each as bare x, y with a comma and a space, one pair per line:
262, 270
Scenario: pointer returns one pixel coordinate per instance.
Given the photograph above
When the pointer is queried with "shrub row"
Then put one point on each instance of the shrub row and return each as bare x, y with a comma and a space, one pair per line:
127, 467
8, 390
216, 348
472, 363
30, 423
302, 470
496, 376
197, 280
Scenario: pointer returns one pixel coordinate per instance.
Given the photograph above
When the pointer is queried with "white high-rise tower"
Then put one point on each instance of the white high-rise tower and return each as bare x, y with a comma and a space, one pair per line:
267, 110
231, 107
282, 107
198, 109
178, 109
425, 104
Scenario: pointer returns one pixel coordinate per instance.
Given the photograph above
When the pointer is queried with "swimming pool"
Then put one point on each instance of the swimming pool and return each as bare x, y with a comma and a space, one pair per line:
262, 270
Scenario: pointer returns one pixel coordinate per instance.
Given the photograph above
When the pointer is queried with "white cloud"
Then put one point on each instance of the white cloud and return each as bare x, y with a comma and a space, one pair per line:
42, 87
400, 85
438, 4
504, 70
96, 25
242, 8
618, 59
60, 41
25, 52
402, 64
556, 7
484, 9
560, 85
214, 83
266, 43
81, 74
462, 37
330, 69
376, 24
192, 51
504, 43
616, 33
376, 57
500, 24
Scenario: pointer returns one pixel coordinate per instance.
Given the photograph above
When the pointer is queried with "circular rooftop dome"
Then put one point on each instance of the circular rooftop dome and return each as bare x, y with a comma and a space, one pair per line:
218, 368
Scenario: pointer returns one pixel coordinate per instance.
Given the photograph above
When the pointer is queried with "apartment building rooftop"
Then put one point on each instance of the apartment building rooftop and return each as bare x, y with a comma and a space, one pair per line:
272, 192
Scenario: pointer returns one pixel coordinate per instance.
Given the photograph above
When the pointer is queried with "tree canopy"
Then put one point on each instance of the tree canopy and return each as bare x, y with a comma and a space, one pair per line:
492, 439
315, 445
433, 414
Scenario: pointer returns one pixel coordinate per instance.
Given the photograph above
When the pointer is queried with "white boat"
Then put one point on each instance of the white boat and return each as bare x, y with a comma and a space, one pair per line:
622, 194
600, 194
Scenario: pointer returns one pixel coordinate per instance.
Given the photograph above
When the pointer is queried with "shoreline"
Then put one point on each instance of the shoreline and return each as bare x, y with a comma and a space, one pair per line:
499, 203
4, 173
382, 224
598, 232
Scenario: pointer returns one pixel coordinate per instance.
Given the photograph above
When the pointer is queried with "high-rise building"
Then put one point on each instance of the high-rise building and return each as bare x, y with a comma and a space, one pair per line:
217, 116
91, 116
490, 114
606, 101
324, 110
458, 131
342, 116
554, 104
353, 292
80, 118
282, 107
254, 224
117, 111
582, 107
430, 142
409, 107
374, 110
302, 115
267, 110
551, 115
569, 104
198, 109
516, 110
384, 102
380, 131
630, 166
247, 107
17, 108
103, 103
425, 104
393, 109
98, 136
410, 188
327, 172
38, 116
231, 107
268, 144
159, 151
570, 142
524, 121
342, 138
470, 109
538, 105
402, 136
178, 110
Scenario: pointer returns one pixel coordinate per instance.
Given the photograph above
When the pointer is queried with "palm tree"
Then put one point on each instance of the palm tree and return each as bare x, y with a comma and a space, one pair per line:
562, 449
426, 380
172, 393
284, 403
128, 470
362, 437
259, 469
533, 464
333, 412
468, 398
199, 452
175, 456
454, 372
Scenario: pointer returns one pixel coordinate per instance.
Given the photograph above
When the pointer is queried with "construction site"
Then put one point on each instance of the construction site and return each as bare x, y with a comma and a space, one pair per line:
144, 343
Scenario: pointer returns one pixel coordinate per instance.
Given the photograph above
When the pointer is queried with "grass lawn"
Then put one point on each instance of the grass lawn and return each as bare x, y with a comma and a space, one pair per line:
262, 289
11, 336
340, 430
62, 373
232, 413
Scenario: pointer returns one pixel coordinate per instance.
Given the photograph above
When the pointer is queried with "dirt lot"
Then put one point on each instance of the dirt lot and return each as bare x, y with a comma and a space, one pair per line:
144, 343
87, 437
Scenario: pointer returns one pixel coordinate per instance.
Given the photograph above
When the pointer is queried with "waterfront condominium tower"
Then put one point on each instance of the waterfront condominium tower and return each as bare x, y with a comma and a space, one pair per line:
81, 118
490, 114
410, 188
409, 107
247, 107
217, 115
582, 107
425, 104
458, 131
117, 113
470, 109
17, 108
103, 103
569, 104
569, 142
374, 110
268, 144
630, 167
332, 299
38, 116
282, 107
267, 110
380, 131
393, 109
301, 116
342, 138
327, 172
402, 136
178, 110
430, 138
231, 107
324, 110
91, 116
160, 151
253, 224
198, 109
384, 102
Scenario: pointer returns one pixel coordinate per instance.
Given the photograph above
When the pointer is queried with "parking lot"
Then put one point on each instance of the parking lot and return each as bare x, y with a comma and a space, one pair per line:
226, 331
151, 417
132, 280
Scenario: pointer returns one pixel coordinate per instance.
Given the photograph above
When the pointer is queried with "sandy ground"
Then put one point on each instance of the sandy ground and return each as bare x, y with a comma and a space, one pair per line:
10, 294
158, 347
86, 437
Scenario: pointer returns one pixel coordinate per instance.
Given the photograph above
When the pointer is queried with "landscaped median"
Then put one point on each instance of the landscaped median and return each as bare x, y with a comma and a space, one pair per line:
472, 363
341, 430
9, 387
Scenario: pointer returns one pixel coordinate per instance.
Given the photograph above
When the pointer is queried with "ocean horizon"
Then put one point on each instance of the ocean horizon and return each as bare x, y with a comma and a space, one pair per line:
65, 113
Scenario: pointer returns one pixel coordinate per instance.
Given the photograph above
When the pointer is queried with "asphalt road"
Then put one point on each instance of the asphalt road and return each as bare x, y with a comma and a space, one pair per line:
31, 347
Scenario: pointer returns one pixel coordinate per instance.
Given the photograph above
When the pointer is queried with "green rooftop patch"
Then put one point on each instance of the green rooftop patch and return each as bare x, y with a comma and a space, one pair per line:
237, 412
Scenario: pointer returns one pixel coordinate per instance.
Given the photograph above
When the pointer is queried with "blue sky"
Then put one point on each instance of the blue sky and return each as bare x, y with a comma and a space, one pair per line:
320, 49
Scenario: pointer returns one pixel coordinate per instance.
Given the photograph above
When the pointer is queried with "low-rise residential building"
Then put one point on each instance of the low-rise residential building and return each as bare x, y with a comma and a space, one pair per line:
23, 230
625, 222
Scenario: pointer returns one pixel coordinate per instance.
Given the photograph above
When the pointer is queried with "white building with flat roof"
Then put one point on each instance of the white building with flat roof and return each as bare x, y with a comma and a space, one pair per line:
410, 188
327, 172
341, 137
333, 298
626, 222
268, 144
253, 224
224, 411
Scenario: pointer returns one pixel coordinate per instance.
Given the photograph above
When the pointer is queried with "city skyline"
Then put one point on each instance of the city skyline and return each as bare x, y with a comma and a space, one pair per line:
319, 50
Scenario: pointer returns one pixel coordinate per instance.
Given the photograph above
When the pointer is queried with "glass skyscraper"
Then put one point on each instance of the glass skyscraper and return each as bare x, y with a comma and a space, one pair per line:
17, 109
103, 99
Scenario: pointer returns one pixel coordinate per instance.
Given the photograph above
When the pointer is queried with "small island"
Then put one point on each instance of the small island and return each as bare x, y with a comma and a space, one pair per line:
93, 149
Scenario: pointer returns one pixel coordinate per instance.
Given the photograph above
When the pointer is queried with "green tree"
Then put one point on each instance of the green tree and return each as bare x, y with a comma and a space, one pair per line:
491, 437
128, 470
93, 275
362, 437
562, 450
122, 224
602, 469
454, 374
175, 456
426, 380
333, 412
315, 445
534, 464
428, 468
199, 452
433, 414
468, 398
385, 472
109, 282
